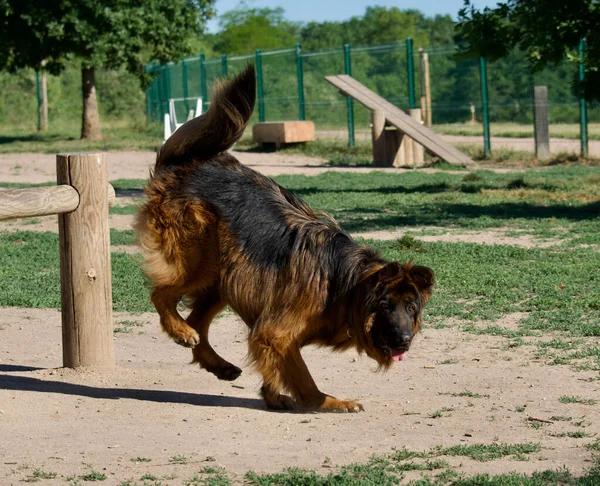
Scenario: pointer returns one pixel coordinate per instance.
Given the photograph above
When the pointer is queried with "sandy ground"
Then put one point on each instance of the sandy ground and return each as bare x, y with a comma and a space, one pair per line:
154, 405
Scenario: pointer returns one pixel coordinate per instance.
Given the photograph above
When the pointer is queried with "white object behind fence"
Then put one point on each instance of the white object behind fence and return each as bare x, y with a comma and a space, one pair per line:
170, 120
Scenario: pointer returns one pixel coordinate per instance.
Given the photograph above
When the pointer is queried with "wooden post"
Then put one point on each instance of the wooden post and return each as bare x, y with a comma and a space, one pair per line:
378, 134
541, 133
85, 263
425, 88
417, 151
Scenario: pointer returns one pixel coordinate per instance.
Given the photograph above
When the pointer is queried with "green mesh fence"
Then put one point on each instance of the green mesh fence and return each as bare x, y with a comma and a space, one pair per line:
293, 85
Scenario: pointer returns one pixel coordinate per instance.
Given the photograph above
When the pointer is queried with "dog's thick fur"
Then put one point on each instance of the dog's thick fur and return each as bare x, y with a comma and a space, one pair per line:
217, 233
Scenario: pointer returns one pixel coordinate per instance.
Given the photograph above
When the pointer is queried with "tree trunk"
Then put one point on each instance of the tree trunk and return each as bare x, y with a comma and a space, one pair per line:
90, 129
44, 107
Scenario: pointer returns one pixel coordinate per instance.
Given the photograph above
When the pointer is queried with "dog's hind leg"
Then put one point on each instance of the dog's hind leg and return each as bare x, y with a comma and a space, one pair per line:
207, 304
165, 299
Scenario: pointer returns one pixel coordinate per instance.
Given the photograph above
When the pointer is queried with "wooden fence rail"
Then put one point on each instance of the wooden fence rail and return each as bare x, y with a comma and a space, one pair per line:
81, 200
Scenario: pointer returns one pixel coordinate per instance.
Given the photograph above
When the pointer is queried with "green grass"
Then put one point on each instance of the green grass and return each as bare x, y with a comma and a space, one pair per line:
389, 470
574, 399
117, 135
515, 130
93, 476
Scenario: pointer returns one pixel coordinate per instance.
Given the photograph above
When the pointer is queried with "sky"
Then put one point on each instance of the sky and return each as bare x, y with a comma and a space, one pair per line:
337, 10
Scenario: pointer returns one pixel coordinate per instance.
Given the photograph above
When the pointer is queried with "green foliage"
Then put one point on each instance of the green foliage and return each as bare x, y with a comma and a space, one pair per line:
125, 33
246, 29
545, 34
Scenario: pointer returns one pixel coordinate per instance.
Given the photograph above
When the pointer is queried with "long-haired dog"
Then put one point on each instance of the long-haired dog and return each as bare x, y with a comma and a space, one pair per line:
217, 233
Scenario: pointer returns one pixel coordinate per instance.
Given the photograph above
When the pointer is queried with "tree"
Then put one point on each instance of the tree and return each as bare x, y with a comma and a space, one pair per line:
97, 33
548, 31
246, 29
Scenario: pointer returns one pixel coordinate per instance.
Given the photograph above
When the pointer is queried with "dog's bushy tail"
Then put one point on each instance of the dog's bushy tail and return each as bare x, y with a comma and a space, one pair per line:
216, 130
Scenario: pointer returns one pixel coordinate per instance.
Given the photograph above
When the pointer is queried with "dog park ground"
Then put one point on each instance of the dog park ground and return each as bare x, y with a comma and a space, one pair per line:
504, 378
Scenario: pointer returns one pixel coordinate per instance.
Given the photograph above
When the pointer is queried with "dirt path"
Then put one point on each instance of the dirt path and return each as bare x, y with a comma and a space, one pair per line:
156, 406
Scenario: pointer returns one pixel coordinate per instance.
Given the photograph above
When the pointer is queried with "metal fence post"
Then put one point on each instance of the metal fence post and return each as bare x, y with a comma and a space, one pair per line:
349, 101
410, 67
485, 106
167, 87
203, 90
224, 65
259, 86
583, 116
184, 82
39, 100
300, 74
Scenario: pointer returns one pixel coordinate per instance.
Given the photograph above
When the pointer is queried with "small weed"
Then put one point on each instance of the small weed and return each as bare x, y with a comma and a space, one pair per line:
409, 243
469, 394
178, 459
93, 476
574, 399
436, 414
140, 459
126, 327
148, 477
560, 418
448, 361
520, 409
576, 434
594, 446
307, 421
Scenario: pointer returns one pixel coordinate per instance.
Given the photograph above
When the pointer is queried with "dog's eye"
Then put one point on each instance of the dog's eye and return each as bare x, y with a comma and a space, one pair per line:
412, 308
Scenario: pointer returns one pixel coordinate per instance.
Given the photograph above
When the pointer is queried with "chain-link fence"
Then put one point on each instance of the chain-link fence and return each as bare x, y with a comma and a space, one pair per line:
291, 86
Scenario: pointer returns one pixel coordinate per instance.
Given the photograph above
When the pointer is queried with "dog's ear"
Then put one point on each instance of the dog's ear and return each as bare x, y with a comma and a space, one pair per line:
423, 278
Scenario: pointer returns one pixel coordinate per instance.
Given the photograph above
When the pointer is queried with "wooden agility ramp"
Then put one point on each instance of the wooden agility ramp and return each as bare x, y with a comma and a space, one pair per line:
394, 116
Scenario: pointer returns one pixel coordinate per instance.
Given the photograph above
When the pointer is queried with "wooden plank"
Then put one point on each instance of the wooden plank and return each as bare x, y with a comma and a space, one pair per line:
542, 132
398, 118
85, 263
41, 201
423, 135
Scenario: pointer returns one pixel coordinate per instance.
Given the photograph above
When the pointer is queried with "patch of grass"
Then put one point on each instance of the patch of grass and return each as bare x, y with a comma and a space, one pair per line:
93, 476
122, 237
560, 418
594, 446
127, 327
148, 477
408, 242
29, 261
575, 399
178, 458
129, 209
574, 434
469, 394
116, 135
388, 470
489, 452
140, 459
448, 361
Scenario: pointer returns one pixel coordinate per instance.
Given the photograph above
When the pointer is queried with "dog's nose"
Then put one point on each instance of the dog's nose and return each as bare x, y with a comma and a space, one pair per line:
405, 339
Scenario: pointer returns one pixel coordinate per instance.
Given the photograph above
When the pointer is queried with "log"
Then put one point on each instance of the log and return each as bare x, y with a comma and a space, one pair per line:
41, 201
85, 263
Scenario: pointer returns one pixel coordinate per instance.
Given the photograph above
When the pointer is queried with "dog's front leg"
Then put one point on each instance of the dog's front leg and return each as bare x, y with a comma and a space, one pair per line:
283, 368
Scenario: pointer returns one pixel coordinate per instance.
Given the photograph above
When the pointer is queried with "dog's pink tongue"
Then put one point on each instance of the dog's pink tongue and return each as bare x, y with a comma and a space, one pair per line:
398, 356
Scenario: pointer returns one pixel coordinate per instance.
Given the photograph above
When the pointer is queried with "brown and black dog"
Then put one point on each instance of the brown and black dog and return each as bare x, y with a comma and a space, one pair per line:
216, 233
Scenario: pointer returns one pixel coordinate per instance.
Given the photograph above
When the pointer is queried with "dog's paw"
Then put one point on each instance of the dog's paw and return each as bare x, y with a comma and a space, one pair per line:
332, 404
187, 338
277, 401
227, 373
